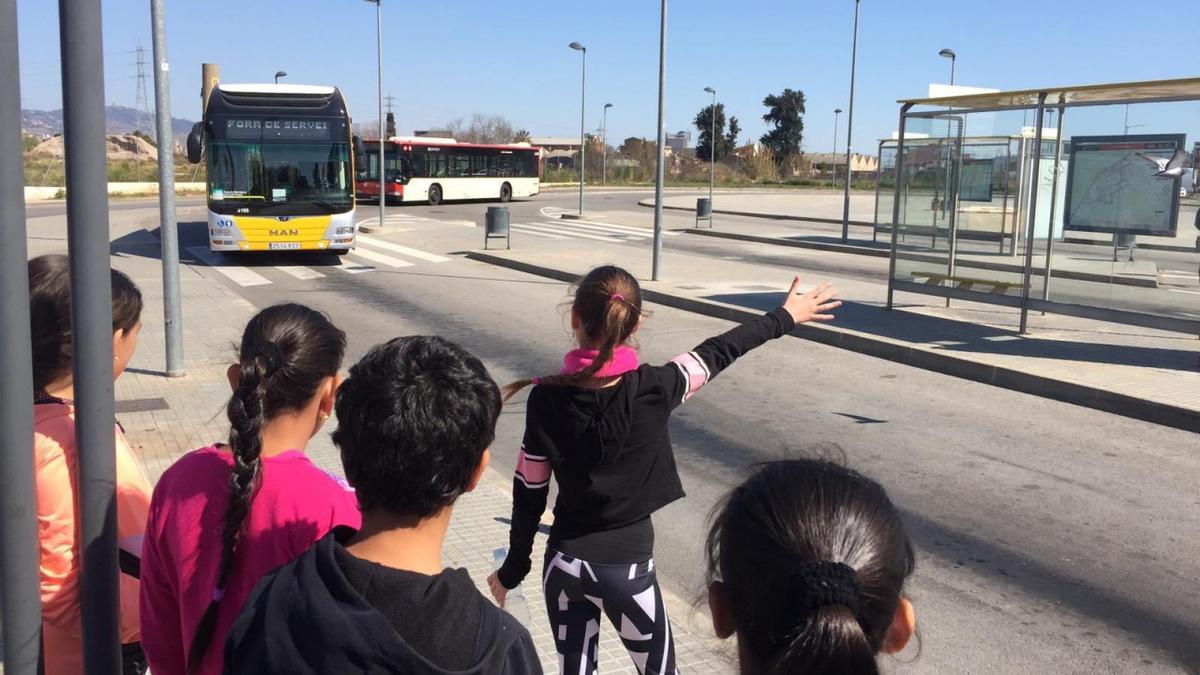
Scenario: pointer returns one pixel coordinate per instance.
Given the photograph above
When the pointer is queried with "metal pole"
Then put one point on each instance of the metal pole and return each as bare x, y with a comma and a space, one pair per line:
91, 327
379, 68
850, 130
896, 202
712, 149
1039, 120
836, 114
168, 229
582, 116
952, 187
1053, 206
660, 154
604, 148
953, 63
20, 582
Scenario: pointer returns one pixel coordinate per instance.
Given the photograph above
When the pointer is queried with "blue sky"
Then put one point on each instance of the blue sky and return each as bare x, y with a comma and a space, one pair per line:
451, 59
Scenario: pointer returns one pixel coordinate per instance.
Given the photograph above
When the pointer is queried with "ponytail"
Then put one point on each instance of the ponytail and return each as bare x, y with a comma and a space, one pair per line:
246, 420
608, 306
812, 558
287, 351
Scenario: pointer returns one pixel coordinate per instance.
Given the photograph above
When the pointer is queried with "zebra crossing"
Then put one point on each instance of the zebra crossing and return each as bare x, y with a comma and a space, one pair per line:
371, 254
550, 226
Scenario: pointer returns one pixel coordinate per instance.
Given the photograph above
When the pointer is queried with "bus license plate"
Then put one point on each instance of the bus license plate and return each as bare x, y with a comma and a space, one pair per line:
285, 246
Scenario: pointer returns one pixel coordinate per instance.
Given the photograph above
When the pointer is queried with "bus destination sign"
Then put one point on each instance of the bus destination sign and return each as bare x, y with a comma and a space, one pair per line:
240, 128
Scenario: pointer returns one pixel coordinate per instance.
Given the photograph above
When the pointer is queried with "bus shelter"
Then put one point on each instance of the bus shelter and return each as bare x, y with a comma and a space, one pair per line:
1036, 199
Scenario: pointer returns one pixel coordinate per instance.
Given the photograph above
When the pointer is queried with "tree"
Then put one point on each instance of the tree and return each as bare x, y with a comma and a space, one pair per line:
521, 136
731, 137
391, 125
786, 112
703, 124
482, 129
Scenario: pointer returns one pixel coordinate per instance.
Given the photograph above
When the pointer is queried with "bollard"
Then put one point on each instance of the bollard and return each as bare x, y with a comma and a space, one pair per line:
704, 211
496, 226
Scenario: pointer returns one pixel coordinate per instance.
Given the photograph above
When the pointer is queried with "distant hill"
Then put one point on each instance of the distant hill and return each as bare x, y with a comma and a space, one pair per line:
117, 119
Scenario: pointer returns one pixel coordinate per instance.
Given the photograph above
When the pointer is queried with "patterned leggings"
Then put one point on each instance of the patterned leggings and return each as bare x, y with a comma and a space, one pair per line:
577, 591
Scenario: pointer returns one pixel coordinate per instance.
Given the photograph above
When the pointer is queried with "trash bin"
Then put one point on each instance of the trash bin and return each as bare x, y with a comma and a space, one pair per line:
704, 211
496, 226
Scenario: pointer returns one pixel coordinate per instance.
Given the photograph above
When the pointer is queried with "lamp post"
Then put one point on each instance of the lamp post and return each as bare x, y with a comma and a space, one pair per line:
949, 54
604, 146
850, 129
279, 74
379, 68
836, 113
712, 143
660, 152
582, 113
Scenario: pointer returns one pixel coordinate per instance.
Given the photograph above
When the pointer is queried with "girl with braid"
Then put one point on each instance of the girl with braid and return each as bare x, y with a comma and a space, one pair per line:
599, 427
223, 516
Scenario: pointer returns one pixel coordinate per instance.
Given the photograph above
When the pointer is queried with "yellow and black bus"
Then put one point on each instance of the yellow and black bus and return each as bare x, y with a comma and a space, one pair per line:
280, 162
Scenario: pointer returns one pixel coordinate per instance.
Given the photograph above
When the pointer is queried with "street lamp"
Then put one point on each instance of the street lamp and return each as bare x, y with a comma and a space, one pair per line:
836, 113
712, 143
379, 68
949, 54
279, 74
850, 130
604, 146
659, 151
582, 102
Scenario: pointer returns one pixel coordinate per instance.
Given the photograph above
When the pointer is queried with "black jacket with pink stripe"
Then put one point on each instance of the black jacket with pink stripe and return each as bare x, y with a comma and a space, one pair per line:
609, 450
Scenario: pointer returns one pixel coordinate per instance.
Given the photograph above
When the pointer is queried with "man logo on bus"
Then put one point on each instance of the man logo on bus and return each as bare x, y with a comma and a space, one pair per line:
284, 233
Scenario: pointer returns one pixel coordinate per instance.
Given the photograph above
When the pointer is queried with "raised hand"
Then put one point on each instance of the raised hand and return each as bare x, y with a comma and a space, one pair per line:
815, 305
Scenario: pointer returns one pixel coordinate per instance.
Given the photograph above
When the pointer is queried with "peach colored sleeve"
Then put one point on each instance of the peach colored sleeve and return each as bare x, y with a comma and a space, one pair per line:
133, 506
57, 532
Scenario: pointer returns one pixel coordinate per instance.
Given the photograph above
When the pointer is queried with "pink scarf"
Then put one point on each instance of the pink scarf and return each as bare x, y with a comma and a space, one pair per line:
624, 359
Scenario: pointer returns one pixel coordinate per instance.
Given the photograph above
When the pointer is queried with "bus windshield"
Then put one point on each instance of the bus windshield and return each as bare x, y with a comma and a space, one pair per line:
282, 178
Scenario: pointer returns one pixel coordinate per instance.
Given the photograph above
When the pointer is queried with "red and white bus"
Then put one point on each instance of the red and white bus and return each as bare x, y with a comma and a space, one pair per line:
425, 169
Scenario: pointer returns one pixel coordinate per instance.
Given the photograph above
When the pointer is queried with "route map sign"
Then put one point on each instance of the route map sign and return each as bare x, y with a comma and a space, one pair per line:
1112, 186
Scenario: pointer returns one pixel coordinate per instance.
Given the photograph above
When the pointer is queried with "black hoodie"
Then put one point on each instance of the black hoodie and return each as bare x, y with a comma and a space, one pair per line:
329, 612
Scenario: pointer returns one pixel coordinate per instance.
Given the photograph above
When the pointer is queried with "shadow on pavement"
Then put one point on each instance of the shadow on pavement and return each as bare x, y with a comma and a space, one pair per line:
952, 335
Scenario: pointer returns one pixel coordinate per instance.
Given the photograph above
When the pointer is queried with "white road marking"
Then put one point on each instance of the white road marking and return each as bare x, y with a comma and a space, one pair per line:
238, 275
642, 234
402, 250
519, 227
380, 258
355, 268
1185, 290
300, 272
567, 232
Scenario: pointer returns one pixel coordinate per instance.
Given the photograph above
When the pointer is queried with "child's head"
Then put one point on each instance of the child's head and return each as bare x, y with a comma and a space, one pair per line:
415, 419
806, 564
287, 365
605, 313
50, 320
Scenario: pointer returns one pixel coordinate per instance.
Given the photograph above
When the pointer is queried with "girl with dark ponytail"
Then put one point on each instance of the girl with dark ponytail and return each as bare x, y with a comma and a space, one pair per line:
223, 516
806, 565
599, 427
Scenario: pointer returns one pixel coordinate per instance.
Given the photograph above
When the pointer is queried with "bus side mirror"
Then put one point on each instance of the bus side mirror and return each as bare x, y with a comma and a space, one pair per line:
195, 143
360, 155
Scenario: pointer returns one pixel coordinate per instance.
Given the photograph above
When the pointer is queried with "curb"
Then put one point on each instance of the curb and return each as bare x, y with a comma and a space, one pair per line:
755, 214
890, 350
884, 253
1148, 247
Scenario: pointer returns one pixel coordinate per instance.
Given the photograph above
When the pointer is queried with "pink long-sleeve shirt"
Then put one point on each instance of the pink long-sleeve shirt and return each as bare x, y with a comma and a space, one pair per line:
295, 505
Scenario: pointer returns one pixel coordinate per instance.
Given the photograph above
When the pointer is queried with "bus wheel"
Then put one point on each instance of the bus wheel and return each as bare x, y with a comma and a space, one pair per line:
435, 195
505, 192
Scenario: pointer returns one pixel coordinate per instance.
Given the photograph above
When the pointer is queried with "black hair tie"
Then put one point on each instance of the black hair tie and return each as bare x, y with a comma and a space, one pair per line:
827, 583
270, 355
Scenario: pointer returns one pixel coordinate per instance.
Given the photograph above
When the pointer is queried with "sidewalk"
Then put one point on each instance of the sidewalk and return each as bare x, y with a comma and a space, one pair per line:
826, 207
179, 415
1141, 373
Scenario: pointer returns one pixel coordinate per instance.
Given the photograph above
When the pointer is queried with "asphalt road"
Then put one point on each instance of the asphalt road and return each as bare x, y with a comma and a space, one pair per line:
1051, 538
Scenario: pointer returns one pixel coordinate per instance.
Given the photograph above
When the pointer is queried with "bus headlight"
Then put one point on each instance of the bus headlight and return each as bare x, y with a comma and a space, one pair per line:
345, 230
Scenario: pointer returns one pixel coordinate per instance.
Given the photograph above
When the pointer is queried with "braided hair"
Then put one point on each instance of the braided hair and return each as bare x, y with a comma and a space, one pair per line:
608, 304
286, 352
